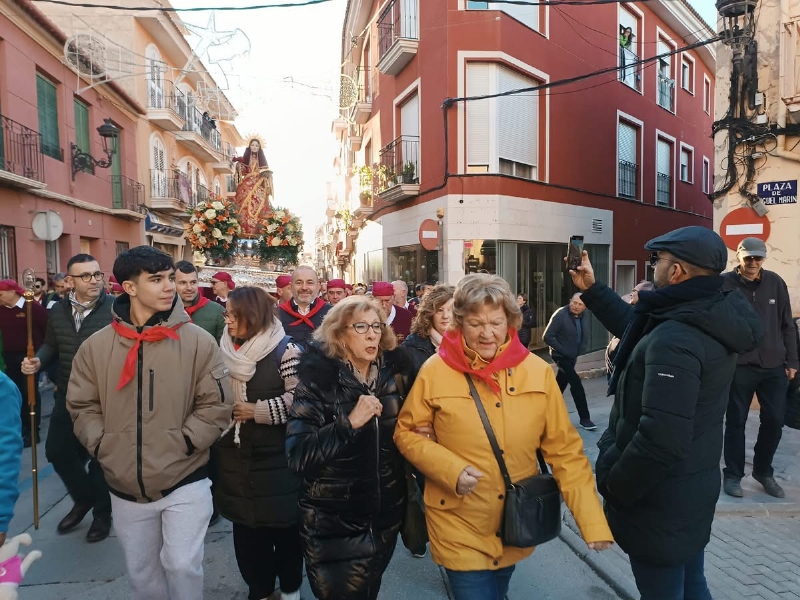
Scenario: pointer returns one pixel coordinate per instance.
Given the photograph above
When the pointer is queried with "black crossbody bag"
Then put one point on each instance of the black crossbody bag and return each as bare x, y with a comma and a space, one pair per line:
532, 508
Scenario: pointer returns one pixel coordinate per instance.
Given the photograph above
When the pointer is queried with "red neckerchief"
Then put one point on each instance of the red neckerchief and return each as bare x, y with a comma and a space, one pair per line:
317, 306
151, 334
200, 304
452, 352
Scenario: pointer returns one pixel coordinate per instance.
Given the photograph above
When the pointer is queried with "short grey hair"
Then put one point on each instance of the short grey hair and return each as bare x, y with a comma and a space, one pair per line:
306, 268
402, 283
477, 290
59, 277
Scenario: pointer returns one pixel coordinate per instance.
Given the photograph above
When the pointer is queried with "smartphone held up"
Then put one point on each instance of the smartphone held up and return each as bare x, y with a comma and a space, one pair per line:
574, 252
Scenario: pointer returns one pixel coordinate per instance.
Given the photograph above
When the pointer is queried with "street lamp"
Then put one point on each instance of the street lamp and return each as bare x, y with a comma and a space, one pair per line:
83, 160
738, 22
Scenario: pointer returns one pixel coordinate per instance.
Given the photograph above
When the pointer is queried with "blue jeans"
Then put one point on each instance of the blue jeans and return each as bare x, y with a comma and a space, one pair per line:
480, 585
686, 582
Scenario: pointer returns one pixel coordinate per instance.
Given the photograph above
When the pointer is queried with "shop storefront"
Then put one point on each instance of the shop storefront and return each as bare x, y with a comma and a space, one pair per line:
166, 233
412, 264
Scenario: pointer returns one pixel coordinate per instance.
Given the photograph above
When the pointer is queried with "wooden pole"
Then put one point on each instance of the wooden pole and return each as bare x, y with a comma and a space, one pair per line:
32, 407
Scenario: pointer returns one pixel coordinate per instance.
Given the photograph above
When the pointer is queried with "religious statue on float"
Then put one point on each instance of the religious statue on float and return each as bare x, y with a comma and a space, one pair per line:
255, 188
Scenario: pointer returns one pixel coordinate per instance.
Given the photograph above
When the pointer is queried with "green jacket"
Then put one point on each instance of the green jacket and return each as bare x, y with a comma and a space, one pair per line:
210, 318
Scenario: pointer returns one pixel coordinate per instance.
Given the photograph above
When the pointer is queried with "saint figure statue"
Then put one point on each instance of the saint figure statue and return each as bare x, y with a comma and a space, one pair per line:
254, 189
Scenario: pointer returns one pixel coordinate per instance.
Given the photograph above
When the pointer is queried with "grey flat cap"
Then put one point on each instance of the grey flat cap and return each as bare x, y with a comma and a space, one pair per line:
752, 246
696, 245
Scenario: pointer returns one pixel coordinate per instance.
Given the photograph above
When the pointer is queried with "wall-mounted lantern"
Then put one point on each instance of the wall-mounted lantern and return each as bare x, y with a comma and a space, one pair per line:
83, 160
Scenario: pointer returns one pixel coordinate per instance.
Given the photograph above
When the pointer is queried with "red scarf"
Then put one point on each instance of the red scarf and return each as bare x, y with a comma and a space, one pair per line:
287, 306
452, 352
200, 304
151, 334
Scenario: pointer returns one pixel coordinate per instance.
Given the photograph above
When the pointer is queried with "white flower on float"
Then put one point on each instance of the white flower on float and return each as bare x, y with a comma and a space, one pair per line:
197, 228
216, 233
210, 213
218, 205
276, 241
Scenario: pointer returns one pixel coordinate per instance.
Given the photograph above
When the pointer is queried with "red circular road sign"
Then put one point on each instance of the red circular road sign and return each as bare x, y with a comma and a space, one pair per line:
743, 223
429, 234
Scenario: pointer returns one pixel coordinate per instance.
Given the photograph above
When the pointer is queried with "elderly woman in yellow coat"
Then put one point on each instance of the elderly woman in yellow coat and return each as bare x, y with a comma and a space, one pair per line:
464, 489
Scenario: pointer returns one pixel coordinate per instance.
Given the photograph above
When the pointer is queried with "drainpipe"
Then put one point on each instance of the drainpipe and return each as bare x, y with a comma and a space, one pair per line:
782, 110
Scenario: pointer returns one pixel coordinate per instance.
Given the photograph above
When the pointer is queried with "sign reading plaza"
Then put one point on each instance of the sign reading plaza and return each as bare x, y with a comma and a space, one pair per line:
778, 192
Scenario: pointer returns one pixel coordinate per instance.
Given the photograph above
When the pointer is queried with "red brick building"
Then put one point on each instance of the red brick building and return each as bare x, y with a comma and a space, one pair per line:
618, 158
47, 212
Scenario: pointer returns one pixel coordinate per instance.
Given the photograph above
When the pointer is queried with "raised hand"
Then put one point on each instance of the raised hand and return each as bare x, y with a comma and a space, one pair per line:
583, 277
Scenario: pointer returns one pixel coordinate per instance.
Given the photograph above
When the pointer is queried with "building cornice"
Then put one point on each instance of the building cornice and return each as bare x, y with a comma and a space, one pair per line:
131, 215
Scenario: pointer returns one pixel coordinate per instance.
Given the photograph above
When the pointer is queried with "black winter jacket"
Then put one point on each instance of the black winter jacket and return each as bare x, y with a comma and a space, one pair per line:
561, 335
524, 331
770, 299
61, 341
353, 495
658, 466
419, 350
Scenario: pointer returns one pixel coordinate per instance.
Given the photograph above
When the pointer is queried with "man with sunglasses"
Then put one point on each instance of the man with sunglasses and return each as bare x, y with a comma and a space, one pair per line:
764, 371
85, 310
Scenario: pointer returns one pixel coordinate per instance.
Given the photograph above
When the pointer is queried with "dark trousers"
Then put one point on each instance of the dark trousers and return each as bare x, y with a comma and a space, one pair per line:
770, 386
14, 371
264, 553
568, 376
69, 459
684, 582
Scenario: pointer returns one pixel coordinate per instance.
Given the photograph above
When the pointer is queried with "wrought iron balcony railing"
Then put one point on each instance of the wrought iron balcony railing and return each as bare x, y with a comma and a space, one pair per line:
126, 193
167, 96
398, 20
629, 69
201, 123
666, 93
399, 163
20, 150
663, 189
628, 179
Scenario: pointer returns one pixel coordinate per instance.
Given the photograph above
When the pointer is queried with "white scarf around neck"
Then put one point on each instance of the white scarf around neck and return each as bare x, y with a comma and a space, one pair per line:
242, 363
436, 338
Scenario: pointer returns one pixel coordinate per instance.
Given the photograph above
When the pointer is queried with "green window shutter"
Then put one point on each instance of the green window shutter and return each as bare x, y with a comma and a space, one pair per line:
82, 130
48, 117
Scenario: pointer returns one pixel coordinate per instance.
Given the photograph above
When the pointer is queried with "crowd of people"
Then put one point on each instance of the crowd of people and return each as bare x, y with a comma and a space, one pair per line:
314, 418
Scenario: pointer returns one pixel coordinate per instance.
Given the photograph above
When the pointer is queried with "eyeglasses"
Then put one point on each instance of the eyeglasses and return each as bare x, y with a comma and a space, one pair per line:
228, 315
362, 327
87, 277
753, 258
654, 258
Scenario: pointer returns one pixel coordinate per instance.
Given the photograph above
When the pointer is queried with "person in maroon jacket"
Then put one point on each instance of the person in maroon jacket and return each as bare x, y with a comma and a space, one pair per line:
14, 330
303, 313
398, 317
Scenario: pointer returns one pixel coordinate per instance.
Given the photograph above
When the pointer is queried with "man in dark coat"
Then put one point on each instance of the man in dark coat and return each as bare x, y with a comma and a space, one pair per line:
86, 310
658, 467
567, 336
524, 331
765, 371
302, 314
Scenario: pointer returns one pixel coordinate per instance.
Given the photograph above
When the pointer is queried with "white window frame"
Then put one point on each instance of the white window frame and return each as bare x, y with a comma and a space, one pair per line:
465, 56
690, 152
640, 44
660, 135
662, 35
639, 124
687, 59
708, 95
625, 263
415, 89
706, 175
544, 15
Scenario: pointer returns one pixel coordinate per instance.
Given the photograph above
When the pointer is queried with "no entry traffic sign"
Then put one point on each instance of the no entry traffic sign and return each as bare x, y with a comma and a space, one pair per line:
743, 223
429, 234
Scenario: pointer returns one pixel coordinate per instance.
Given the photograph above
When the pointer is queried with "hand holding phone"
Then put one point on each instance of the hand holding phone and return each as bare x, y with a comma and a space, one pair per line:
574, 252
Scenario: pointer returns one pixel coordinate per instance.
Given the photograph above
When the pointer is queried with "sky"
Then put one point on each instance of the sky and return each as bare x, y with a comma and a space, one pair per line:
285, 89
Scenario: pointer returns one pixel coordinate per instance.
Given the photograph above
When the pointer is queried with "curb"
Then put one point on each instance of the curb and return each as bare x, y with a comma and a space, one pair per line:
758, 509
618, 581
592, 373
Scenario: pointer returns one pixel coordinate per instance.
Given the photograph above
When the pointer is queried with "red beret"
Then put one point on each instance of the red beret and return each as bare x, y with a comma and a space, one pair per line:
349, 286
282, 281
117, 289
9, 285
382, 288
336, 283
226, 277
112, 279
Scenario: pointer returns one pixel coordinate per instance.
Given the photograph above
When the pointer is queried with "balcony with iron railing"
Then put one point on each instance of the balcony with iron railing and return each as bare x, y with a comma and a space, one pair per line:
166, 106
666, 93
628, 179
126, 193
226, 164
663, 189
398, 35
629, 69
397, 175
21, 158
199, 133
362, 110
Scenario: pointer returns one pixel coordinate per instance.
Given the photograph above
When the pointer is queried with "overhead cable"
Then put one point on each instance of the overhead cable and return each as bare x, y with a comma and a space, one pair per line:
187, 9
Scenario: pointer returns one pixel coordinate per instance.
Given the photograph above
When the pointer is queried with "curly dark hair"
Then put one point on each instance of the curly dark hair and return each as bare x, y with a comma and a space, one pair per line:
431, 302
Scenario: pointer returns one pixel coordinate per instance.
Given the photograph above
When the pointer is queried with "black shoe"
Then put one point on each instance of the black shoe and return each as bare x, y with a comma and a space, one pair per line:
26, 440
75, 516
733, 487
770, 485
99, 529
588, 424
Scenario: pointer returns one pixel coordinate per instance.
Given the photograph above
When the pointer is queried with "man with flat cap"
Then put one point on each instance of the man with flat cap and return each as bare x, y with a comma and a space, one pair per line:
764, 371
658, 467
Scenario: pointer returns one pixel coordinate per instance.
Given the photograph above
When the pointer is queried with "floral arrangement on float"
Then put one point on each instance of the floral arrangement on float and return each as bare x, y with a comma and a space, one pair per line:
214, 228
281, 237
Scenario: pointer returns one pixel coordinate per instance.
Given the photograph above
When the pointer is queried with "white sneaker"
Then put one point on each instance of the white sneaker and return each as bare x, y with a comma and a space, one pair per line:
292, 596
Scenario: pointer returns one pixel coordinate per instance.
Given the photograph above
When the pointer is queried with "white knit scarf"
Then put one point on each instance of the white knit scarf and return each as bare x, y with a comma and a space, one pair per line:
436, 338
242, 363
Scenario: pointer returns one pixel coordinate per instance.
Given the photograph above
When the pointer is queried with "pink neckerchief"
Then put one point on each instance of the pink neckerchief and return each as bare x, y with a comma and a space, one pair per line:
11, 571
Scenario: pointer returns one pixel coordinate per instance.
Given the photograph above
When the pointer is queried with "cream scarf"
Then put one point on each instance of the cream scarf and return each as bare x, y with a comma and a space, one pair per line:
242, 363
436, 338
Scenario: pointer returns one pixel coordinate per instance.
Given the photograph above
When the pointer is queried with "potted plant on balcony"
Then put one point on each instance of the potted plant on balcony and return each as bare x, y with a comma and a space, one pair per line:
365, 181
282, 237
214, 230
386, 177
408, 172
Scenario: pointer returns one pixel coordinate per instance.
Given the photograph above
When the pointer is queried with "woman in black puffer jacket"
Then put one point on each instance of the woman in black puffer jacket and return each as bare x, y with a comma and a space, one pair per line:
339, 439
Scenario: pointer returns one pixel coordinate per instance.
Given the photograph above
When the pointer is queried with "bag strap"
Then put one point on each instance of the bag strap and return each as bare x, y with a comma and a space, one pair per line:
281, 350
487, 426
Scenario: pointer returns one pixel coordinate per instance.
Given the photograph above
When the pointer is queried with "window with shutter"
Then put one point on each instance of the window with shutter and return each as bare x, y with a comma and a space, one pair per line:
527, 15
158, 178
663, 172
478, 117
82, 131
48, 117
517, 122
628, 161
